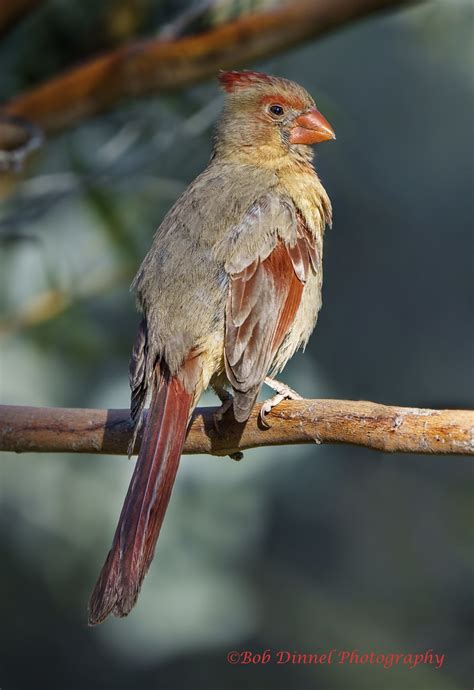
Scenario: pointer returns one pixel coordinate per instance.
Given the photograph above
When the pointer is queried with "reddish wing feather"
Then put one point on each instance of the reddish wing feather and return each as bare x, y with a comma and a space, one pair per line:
290, 288
308, 240
263, 300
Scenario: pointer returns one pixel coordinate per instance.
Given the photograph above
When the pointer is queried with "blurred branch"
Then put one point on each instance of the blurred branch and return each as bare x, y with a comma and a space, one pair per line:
158, 65
43, 307
38, 195
18, 137
12, 11
385, 428
186, 20
52, 303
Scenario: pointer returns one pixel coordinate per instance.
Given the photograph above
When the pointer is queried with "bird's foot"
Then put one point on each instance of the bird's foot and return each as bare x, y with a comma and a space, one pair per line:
226, 399
283, 392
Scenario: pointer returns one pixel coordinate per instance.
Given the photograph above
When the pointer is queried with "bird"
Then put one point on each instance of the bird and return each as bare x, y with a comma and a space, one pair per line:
229, 290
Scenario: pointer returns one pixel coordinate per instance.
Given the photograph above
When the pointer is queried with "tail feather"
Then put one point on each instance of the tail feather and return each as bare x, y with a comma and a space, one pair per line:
147, 499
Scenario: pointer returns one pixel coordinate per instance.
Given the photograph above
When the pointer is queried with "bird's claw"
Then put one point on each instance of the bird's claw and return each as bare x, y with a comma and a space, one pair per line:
283, 392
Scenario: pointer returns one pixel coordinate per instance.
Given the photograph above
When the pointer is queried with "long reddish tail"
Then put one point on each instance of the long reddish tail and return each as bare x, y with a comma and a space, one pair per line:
148, 495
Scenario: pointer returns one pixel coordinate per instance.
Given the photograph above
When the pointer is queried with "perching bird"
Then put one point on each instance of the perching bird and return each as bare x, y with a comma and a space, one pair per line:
229, 290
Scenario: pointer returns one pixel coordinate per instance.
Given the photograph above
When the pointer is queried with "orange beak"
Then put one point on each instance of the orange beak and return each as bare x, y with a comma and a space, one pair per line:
311, 128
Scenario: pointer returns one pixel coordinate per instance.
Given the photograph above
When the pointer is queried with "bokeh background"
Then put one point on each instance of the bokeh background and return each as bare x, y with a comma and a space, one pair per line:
296, 548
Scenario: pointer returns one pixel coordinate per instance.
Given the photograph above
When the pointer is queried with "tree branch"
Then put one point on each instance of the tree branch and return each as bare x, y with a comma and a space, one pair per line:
154, 66
12, 11
385, 428
18, 137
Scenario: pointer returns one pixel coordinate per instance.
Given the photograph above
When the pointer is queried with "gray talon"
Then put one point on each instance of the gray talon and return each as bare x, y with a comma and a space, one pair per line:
227, 400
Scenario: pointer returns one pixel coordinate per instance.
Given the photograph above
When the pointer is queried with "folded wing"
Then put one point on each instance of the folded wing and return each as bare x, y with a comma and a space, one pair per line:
272, 254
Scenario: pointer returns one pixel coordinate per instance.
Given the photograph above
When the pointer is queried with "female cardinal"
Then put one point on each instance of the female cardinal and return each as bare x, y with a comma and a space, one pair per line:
229, 290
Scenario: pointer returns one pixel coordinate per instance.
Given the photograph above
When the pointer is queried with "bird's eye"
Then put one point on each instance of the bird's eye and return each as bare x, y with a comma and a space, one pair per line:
276, 109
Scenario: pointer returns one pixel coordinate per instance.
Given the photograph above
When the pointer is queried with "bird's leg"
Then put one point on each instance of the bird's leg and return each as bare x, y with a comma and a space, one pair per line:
226, 399
283, 392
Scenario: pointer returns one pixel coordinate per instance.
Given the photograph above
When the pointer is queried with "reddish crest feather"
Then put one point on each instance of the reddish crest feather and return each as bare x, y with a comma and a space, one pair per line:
234, 80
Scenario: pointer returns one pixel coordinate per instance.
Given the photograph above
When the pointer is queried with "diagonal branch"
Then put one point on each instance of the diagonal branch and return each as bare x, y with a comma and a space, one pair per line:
12, 11
385, 428
18, 137
154, 66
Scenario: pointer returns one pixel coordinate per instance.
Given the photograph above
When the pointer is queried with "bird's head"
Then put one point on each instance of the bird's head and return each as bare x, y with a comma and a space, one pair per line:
268, 117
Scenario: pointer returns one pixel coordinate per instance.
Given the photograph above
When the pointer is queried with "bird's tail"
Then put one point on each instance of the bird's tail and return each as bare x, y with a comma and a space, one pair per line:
147, 499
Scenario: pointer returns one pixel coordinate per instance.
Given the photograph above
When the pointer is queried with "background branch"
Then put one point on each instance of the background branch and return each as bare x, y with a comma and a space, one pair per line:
12, 11
154, 66
386, 428
18, 137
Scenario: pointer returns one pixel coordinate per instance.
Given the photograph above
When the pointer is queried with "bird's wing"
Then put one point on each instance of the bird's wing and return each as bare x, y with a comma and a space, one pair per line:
269, 257
139, 378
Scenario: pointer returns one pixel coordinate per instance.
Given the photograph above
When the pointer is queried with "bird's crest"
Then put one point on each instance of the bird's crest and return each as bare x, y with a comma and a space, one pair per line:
230, 81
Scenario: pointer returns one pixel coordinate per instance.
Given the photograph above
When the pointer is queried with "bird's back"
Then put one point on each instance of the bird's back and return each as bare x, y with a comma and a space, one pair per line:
182, 285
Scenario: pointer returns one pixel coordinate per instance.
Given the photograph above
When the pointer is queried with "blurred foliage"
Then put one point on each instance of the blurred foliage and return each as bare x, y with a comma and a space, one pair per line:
294, 548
